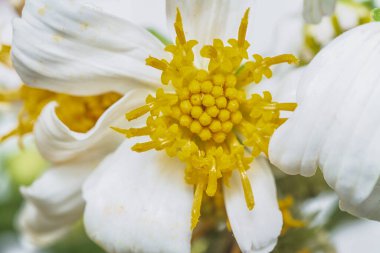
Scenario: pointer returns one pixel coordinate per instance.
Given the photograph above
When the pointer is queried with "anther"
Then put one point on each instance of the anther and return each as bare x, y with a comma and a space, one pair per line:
208, 100
221, 102
185, 120
196, 99
195, 87
195, 127
217, 91
215, 126
224, 115
206, 87
205, 119
218, 80
213, 111
196, 112
186, 106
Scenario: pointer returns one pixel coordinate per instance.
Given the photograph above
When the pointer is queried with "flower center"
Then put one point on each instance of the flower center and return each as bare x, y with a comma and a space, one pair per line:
207, 119
78, 113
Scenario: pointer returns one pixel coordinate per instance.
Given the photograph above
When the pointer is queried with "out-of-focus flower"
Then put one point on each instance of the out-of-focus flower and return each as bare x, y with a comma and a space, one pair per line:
315, 10
336, 125
132, 197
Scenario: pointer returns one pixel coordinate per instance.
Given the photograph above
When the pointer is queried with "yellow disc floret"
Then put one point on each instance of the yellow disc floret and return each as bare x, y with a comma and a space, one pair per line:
208, 120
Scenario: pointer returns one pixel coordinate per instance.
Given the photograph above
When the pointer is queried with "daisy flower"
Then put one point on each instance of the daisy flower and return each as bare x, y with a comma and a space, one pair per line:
215, 134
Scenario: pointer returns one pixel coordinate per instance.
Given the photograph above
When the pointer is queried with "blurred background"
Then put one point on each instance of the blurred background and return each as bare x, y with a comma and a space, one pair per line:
321, 226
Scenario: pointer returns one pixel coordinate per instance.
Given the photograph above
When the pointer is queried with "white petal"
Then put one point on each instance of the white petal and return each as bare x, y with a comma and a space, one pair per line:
139, 203
206, 20
53, 203
256, 231
7, 13
57, 143
336, 125
369, 208
314, 10
269, 27
9, 78
68, 47
135, 11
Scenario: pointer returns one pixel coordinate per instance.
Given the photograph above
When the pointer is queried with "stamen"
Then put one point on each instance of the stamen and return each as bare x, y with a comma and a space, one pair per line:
133, 132
196, 210
212, 180
243, 29
146, 146
137, 113
248, 194
178, 25
284, 58
156, 63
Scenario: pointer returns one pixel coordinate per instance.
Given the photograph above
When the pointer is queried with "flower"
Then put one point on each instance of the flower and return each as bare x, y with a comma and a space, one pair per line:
314, 10
130, 197
335, 126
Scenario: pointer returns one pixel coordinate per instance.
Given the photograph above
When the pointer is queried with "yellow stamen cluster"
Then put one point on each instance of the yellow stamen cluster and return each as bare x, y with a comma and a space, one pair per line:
78, 113
207, 120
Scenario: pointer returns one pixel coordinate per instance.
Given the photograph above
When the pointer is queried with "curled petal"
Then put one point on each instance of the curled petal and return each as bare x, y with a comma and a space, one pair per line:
93, 52
58, 143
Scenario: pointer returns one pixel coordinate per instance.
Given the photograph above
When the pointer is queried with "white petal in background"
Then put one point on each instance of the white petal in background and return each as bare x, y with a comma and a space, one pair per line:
53, 202
8, 78
358, 236
206, 20
314, 10
7, 13
337, 125
57, 143
256, 231
93, 52
139, 203
270, 27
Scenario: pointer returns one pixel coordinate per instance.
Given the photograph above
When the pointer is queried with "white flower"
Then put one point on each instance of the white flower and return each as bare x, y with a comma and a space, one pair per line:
314, 10
336, 125
133, 202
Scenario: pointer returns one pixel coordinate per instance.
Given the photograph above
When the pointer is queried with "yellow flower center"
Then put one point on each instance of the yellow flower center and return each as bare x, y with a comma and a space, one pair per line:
207, 119
78, 113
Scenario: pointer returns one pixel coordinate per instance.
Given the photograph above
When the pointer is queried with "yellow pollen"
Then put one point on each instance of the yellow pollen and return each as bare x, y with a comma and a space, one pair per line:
78, 113
208, 121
